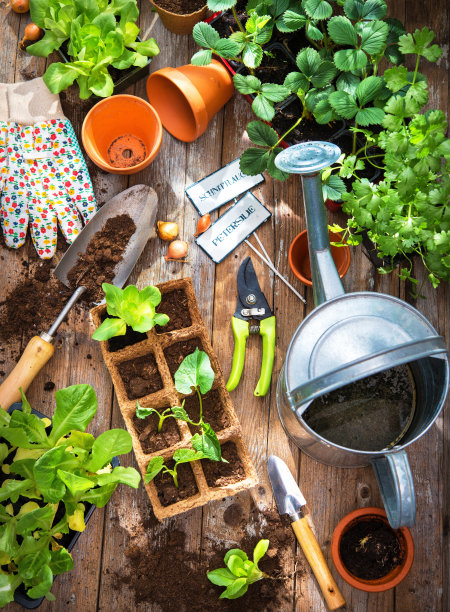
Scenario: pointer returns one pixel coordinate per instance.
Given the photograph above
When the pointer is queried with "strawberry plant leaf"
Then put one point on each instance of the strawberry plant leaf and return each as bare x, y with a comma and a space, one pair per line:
271, 167
370, 116
254, 160
312, 32
347, 82
205, 35
373, 37
349, 60
202, 57
308, 61
252, 55
296, 81
342, 32
344, 104
246, 84
228, 48
262, 134
274, 93
220, 5
263, 108
368, 89
317, 9
293, 19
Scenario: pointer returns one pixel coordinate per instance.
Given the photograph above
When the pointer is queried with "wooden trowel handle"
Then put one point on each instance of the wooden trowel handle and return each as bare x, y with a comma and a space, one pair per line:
314, 555
36, 354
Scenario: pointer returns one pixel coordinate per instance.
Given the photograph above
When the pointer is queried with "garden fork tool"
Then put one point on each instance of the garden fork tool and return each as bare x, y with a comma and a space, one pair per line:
252, 305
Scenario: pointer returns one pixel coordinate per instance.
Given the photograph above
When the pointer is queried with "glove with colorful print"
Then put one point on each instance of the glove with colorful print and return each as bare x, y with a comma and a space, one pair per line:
43, 173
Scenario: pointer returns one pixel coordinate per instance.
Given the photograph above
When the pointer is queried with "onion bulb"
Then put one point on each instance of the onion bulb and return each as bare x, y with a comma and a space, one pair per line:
20, 6
203, 224
167, 230
32, 33
177, 250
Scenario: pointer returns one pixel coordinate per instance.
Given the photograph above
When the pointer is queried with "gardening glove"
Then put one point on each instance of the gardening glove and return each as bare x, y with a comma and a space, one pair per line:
44, 178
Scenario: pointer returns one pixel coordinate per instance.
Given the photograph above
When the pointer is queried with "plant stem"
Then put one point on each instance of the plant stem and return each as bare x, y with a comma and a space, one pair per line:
288, 131
354, 140
239, 24
416, 69
201, 405
175, 476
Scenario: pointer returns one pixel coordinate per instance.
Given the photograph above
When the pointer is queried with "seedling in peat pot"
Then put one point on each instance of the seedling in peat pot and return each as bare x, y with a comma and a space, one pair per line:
240, 571
131, 307
182, 455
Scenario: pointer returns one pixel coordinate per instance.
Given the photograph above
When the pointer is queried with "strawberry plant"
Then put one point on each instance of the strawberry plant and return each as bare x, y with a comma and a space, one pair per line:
131, 307
239, 572
50, 471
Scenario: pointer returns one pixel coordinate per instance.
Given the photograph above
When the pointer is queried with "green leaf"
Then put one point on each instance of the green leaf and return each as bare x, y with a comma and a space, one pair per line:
348, 60
228, 48
45, 578
344, 104
11, 489
186, 455
45, 472
31, 426
277, 174
396, 78
368, 89
312, 32
75, 484
419, 43
236, 589
180, 413
347, 82
207, 443
246, 84
47, 44
253, 161
252, 55
113, 296
342, 31
237, 552
26, 408
373, 37
220, 5
154, 467
41, 518
124, 475
262, 134
75, 407
110, 328
202, 58
274, 93
308, 61
101, 83
8, 584
296, 81
236, 566
30, 565
205, 35
108, 445
194, 372
8, 542
149, 47
370, 116
293, 19
260, 550
324, 74
318, 9
61, 561
99, 496
59, 76
333, 188
221, 576
263, 108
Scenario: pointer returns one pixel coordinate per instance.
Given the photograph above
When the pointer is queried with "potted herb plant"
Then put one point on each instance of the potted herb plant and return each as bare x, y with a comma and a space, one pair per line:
96, 42
52, 472
188, 444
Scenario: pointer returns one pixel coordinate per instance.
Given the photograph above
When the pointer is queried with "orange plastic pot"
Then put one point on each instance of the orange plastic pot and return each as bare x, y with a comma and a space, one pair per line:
394, 577
299, 257
180, 24
122, 134
188, 97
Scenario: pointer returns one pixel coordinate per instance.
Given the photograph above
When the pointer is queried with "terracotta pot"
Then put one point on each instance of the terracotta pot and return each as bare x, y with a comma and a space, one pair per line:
188, 97
299, 257
380, 584
180, 24
122, 128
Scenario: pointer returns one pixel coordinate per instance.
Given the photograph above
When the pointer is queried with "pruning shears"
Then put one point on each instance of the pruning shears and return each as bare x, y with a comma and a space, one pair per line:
251, 304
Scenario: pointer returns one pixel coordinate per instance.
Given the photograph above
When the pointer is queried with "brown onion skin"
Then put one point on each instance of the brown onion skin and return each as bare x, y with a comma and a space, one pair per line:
32, 33
167, 230
203, 224
177, 250
20, 6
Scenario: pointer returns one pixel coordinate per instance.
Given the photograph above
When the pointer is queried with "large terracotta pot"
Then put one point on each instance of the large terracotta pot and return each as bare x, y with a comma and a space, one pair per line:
180, 24
122, 134
380, 584
188, 97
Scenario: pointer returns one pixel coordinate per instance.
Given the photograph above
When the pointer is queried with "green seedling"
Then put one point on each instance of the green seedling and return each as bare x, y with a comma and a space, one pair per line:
239, 572
52, 472
143, 413
131, 307
182, 455
98, 34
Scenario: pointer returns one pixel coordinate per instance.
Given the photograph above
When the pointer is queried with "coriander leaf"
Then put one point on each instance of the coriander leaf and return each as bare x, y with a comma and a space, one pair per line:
194, 372
396, 78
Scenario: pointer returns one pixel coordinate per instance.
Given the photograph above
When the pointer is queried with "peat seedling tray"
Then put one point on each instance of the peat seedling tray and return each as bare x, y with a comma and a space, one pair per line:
144, 371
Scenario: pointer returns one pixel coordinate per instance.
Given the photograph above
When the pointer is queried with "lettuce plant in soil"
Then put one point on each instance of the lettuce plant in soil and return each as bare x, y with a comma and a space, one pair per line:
239, 572
51, 469
99, 34
195, 373
129, 307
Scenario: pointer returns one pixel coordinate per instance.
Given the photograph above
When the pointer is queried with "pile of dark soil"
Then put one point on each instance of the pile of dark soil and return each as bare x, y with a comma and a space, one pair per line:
140, 376
370, 549
103, 253
151, 440
181, 7
175, 579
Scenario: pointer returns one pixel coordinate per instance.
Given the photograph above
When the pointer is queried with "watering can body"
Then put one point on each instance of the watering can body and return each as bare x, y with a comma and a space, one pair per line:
348, 337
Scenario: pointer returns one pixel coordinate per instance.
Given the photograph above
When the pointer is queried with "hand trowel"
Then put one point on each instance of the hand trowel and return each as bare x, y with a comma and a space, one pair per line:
138, 202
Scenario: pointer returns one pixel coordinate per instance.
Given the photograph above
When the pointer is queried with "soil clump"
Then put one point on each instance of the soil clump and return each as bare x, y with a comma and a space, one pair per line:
147, 431
140, 376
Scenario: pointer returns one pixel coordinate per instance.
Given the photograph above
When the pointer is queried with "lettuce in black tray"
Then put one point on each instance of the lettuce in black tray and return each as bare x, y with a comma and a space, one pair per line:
53, 475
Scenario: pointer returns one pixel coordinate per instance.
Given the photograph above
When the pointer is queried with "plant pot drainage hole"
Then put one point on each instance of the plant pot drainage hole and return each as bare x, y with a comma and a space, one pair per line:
140, 376
126, 151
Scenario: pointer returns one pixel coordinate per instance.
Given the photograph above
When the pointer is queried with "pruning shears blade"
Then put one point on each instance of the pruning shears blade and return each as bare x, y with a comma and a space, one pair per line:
250, 297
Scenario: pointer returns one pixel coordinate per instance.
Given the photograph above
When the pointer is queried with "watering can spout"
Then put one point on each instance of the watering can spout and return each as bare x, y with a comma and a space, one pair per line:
308, 159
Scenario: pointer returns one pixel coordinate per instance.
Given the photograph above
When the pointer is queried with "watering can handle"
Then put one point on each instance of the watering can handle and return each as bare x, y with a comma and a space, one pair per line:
396, 485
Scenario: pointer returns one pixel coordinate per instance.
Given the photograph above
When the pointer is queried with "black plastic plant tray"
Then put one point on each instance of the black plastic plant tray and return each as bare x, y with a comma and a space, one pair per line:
20, 595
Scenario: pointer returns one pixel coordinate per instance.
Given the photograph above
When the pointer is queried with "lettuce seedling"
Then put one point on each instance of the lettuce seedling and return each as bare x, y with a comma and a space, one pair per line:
52, 469
239, 572
131, 307
182, 455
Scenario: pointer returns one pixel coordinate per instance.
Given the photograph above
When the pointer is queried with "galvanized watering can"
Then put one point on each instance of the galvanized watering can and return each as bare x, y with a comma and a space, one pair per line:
348, 337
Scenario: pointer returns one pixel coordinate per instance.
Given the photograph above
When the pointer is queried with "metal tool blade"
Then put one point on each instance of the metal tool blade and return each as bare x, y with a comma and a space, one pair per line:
288, 497
140, 203
250, 296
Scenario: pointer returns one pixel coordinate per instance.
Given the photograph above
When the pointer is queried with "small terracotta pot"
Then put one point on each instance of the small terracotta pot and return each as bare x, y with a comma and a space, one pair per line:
122, 129
394, 577
180, 24
188, 97
299, 257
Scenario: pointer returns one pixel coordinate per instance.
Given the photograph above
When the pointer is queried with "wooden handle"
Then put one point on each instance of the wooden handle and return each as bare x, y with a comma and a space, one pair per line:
35, 356
314, 555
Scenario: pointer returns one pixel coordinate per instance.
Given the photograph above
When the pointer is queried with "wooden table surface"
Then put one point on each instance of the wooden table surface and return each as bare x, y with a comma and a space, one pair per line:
331, 492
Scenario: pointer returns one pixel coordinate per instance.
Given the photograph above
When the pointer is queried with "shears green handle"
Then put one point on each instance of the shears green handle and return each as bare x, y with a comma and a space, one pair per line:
241, 332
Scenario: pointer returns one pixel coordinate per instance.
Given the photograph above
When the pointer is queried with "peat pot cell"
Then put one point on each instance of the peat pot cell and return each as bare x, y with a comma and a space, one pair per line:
140, 376
213, 411
175, 353
175, 305
168, 493
219, 474
119, 342
147, 432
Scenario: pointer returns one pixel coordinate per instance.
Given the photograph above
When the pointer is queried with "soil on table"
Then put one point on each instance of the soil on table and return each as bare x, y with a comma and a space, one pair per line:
172, 577
371, 549
167, 491
175, 305
213, 411
219, 474
147, 431
175, 353
103, 252
307, 130
181, 7
140, 376
119, 342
